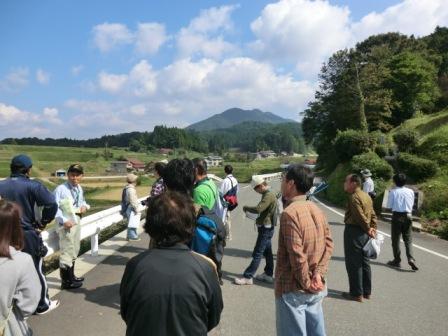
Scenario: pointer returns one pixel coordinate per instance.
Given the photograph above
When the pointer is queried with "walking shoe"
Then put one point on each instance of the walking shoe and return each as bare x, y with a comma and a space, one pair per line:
350, 297
394, 263
244, 281
53, 305
221, 282
265, 278
366, 296
413, 265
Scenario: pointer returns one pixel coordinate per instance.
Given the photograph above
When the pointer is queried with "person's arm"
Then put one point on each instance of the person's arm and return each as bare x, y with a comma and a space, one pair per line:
294, 247
44, 198
224, 186
262, 206
215, 303
133, 199
83, 203
325, 259
27, 294
358, 213
59, 195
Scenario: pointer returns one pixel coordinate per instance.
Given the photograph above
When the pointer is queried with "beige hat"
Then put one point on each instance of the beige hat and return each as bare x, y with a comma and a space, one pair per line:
256, 181
131, 178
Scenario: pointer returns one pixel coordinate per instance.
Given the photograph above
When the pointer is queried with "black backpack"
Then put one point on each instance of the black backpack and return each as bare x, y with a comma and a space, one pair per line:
124, 203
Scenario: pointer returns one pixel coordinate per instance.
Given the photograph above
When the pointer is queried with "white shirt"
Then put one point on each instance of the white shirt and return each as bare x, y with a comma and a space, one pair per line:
368, 185
75, 194
401, 199
226, 184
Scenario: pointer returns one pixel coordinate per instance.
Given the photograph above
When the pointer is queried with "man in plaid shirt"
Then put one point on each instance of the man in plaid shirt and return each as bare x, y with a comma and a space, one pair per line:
304, 250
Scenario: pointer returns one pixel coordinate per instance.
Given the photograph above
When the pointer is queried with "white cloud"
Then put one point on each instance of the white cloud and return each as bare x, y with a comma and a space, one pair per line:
15, 80
408, 17
42, 76
137, 110
305, 33
111, 83
51, 115
301, 31
10, 114
107, 36
150, 37
15, 121
76, 70
204, 35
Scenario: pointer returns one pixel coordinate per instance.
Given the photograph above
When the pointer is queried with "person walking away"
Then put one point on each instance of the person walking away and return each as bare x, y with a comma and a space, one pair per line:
229, 186
263, 247
30, 194
360, 224
401, 201
304, 251
130, 199
368, 185
71, 208
20, 287
170, 290
205, 192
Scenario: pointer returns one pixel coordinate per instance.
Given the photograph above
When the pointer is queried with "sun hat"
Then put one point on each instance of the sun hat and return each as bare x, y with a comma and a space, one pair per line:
256, 181
131, 178
366, 173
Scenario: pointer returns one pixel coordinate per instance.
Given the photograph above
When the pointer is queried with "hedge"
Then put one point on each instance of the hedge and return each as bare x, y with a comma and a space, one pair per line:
352, 142
377, 166
416, 168
435, 147
406, 140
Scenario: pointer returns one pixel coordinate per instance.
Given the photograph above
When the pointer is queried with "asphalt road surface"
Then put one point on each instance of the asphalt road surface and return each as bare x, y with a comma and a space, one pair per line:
403, 302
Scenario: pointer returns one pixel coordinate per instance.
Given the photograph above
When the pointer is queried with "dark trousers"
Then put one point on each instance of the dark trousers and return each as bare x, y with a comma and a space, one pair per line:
33, 246
262, 248
401, 225
357, 265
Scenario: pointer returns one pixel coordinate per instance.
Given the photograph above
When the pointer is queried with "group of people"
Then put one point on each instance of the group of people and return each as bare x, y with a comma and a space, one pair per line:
173, 281
26, 207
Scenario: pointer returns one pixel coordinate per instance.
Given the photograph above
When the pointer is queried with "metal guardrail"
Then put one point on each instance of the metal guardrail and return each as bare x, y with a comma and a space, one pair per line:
91, 226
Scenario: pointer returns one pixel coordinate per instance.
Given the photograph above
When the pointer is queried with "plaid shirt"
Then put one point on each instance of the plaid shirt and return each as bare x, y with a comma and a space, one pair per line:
304, 246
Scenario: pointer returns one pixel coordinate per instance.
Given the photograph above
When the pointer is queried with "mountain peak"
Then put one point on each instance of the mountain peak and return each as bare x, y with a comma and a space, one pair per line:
234, 116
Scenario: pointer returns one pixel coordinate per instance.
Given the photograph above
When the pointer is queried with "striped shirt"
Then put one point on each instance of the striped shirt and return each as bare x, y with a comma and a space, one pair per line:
304, 246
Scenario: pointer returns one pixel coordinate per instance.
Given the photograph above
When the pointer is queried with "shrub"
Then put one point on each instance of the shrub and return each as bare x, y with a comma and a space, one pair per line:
335, 192
406, 140
416, 168
435, 147
352, 142
381, 150
377, 166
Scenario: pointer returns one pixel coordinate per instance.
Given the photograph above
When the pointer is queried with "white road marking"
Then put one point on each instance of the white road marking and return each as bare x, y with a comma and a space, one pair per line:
386, 234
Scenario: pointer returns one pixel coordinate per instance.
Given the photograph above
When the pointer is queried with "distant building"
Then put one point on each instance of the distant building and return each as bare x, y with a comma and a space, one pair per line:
263, 155
213, 161
60, 173
119, 167
165, 151
136, 164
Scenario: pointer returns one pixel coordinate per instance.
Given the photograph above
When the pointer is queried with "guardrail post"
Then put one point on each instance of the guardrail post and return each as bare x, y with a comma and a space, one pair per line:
94, 244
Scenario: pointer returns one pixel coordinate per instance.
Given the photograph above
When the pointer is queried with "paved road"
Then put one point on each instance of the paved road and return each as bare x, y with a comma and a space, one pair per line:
403, 303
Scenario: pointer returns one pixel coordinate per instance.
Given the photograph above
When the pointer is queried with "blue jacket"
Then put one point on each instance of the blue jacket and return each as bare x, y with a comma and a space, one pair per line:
28, 194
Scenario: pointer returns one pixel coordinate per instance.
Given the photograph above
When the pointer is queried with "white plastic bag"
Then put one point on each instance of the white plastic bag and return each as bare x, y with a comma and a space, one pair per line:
373, 246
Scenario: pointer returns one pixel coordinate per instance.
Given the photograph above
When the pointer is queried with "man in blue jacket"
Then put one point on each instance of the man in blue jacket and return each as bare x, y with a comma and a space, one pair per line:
31, 195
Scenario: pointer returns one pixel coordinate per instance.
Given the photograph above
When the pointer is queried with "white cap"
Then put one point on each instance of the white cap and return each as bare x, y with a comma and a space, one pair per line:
256, 181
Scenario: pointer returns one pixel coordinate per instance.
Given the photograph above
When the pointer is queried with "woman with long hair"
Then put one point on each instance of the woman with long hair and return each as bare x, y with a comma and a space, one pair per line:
19, 284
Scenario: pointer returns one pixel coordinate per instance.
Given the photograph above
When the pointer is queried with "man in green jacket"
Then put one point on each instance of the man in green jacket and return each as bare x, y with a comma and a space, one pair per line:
265, 223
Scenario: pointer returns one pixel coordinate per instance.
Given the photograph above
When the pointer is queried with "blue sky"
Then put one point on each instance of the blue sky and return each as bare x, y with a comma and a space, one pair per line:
83, 69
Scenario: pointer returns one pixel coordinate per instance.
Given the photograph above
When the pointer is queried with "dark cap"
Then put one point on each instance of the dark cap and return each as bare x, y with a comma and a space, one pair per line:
75, 168
22, 160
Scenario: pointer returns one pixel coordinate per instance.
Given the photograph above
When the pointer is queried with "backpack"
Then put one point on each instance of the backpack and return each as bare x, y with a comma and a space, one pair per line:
124, 203
208, 233
230, 197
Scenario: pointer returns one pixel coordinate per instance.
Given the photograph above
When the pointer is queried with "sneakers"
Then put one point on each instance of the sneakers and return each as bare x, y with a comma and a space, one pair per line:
350, 297
413, 265
53, 305
265, 278
394, 263
244, 281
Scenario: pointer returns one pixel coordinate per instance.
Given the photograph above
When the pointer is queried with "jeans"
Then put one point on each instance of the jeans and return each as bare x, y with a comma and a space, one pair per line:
132, 233
262, 248
300, 314
357, 265
401, 225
